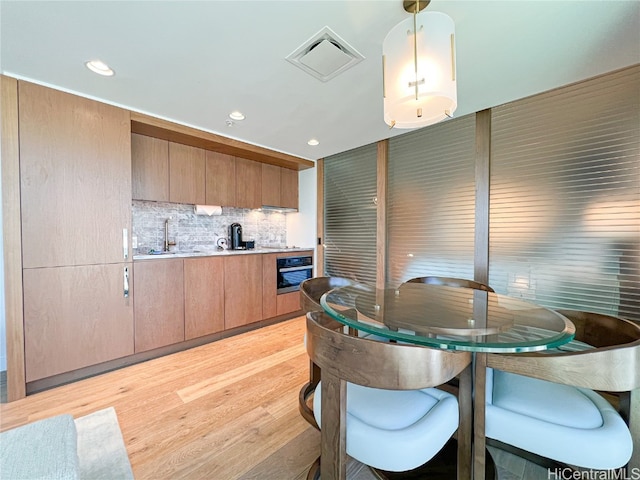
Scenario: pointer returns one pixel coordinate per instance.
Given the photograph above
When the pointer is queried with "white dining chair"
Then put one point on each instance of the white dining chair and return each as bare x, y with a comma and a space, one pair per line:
374, 402
547, 403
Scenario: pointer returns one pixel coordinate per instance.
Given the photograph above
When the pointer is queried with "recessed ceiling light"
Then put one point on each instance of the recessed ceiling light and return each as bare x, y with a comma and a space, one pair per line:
313, 142
100, 68
236, 115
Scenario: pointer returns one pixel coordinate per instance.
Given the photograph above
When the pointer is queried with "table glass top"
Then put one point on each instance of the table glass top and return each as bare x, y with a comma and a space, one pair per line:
451, 318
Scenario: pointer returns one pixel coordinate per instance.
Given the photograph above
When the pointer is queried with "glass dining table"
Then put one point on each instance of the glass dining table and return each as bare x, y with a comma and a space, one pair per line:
453, 318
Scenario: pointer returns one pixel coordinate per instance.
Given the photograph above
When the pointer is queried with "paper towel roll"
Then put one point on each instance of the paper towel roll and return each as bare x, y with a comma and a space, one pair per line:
207, 210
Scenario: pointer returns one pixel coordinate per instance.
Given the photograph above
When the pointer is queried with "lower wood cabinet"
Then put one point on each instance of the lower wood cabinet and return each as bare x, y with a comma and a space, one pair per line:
203, 296
159, 304
242, 290
288, 303
269, 285
75, 317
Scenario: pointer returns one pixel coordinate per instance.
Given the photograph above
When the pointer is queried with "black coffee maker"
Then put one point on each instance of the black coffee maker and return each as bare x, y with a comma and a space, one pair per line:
235, 237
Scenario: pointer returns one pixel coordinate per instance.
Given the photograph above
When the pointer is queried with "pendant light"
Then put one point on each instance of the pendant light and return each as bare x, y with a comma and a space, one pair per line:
419, 69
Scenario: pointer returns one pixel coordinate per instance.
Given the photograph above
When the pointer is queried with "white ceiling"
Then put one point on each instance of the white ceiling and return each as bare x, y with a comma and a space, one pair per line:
193, 62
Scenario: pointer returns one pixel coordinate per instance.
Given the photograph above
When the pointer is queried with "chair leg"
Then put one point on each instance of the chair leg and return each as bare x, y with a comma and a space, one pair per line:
465, 425
333, 444
634, 427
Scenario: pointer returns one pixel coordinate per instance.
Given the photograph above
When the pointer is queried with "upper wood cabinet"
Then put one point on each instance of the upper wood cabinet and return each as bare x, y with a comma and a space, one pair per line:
159, 305
203, 296
149, 168
75, 317
279, 187
248, 183
186, 174
75, 178
220, 179
289, 188
271, 185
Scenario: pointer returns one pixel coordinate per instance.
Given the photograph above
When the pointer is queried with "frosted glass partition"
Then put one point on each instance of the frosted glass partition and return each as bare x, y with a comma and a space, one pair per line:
350, 214
565, 197
431, 202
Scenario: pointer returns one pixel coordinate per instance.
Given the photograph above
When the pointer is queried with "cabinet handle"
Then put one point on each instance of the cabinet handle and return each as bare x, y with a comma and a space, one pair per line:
125, 243
126, 282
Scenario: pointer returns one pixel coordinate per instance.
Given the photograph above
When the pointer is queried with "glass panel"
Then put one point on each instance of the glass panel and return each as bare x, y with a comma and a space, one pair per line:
350, 214
431, 202
565, 197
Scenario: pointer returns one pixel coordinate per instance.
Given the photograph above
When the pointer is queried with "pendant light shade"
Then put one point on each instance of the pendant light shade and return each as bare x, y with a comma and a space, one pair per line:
419, 71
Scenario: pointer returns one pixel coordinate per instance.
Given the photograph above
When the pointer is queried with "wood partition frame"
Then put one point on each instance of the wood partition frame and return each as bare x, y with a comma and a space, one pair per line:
12, 238
381, 227
319, 265
483, 176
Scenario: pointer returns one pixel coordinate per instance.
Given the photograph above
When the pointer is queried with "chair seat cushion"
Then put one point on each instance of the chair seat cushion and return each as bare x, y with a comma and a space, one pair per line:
395, 430
570, 425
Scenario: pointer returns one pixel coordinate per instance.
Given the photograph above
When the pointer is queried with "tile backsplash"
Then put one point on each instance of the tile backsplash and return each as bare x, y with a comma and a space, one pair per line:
191, 231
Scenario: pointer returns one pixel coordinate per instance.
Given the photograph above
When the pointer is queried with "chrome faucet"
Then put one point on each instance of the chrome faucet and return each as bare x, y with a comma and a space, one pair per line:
167, 243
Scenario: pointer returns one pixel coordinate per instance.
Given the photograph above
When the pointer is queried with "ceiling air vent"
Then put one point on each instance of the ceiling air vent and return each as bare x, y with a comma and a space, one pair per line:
325, 55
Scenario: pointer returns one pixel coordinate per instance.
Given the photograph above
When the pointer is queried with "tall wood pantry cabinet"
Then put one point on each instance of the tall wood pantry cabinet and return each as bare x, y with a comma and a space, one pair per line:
75, 180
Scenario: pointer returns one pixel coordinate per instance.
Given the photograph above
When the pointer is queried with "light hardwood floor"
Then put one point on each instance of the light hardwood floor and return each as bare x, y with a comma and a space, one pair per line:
226, 410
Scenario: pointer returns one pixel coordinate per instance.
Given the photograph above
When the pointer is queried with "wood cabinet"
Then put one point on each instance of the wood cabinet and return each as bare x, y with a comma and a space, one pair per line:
172, 172
75, 178
242, 290
220, 179
149, 168
186, 174
279, 186
269, 285
159, 303
289, 188
203, 296
287, 303
248, 183
75, 188
271, 185
75, 317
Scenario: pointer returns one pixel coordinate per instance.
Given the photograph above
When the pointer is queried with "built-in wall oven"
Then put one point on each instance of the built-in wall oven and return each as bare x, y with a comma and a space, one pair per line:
292, 271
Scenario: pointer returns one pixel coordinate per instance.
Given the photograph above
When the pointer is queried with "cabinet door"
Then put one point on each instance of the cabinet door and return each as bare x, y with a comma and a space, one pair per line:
220, 179
288, 303
203, 296
186, 174
269, 285
75, 317
149, 168
75, 178
242, 290
271, 185
159, 303
248, 183
289, 188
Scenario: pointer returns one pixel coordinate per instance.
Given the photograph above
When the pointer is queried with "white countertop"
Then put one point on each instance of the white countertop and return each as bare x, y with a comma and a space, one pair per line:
213, 252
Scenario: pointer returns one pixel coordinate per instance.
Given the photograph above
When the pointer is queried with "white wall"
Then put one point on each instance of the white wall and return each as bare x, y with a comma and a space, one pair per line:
301, 226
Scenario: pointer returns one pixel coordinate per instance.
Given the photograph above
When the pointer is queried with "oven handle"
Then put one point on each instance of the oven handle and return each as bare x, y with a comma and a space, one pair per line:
295, 269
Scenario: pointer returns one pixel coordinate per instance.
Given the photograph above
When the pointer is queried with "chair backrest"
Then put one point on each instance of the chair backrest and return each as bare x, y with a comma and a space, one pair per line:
378, 364
313, 288
612, 365
452, 282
